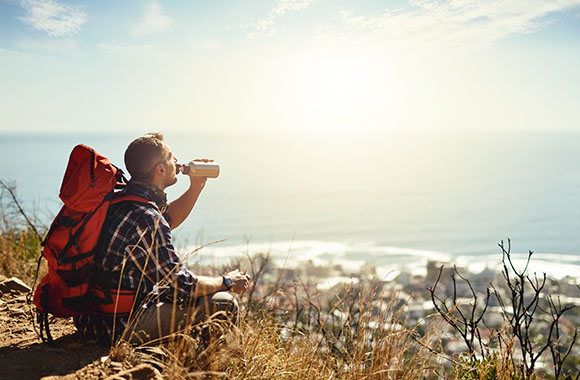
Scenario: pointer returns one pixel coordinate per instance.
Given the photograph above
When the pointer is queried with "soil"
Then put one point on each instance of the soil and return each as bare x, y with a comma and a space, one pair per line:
23, 355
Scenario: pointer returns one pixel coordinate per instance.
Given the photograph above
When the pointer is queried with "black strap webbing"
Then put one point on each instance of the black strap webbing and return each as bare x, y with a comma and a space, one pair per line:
43, 317
72, 240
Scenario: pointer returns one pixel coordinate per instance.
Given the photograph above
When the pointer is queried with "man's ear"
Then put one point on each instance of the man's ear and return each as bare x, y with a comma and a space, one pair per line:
160, 168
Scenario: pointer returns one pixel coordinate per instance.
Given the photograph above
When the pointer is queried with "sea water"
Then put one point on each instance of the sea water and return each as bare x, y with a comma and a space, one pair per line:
393, 200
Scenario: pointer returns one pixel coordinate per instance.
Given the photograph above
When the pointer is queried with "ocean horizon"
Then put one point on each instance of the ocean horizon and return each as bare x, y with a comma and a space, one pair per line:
395, 201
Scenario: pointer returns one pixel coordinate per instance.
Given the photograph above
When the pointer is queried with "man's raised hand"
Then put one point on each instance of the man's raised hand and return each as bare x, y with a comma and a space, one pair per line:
240, 281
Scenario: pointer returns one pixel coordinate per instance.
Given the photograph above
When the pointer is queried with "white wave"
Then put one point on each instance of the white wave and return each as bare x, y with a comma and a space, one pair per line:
555, 265
308, 249
389, 261
351, 256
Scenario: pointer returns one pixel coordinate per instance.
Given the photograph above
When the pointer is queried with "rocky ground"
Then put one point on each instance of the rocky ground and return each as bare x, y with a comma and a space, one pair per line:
23, 355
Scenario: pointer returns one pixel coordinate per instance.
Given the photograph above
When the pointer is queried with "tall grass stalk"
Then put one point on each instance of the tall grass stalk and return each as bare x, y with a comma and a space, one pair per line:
20, 236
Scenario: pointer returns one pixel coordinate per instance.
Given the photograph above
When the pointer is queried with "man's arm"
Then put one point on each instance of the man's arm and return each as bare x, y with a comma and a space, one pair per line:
180, 208
209, 285
154, 254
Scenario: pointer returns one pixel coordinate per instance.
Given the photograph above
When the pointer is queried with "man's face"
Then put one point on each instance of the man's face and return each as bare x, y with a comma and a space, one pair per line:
170, 174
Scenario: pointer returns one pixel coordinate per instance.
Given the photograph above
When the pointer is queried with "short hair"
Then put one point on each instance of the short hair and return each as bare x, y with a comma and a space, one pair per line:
144, 153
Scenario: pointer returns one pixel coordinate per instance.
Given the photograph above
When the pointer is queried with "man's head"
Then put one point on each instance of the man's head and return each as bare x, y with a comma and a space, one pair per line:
149, 159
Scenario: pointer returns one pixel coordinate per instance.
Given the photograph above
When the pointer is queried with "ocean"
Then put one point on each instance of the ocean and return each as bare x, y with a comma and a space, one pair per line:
394, 200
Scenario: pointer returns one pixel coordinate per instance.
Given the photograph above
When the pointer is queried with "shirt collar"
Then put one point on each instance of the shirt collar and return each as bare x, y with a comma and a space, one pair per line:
147, 191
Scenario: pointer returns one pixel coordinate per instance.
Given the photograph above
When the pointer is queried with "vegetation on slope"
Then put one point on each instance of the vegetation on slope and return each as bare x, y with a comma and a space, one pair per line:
290, 330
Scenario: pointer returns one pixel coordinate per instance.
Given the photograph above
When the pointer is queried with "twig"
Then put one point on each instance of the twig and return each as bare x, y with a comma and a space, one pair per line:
12, 192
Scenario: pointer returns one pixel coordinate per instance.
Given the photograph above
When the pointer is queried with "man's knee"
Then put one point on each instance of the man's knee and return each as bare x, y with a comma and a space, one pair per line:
226, 302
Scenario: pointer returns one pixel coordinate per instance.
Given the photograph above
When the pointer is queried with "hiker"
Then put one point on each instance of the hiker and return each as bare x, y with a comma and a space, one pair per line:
153, 294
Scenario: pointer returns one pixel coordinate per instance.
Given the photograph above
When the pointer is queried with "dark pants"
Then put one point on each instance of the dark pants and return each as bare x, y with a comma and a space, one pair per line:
163, 319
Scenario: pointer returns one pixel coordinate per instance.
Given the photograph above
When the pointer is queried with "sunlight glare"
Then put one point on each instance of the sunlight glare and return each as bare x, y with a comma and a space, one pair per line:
338, 91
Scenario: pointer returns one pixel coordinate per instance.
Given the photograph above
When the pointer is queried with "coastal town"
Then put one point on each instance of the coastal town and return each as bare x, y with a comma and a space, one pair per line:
410, 300
331, 305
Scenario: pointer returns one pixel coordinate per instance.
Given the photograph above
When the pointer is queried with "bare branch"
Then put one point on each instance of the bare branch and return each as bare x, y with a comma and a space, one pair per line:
12, 192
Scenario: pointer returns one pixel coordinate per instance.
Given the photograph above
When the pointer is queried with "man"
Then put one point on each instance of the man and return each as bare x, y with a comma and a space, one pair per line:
142, 291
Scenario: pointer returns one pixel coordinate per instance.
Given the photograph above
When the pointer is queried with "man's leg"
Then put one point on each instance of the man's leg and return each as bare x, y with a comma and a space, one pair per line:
165, 318
217, 302
154, 322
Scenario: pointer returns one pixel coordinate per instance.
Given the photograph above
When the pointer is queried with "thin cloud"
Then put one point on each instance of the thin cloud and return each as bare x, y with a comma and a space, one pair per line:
54, 18
284, 6
153, 20
448, 22
265, 26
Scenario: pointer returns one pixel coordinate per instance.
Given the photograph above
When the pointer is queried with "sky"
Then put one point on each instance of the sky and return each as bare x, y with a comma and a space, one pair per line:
289, 67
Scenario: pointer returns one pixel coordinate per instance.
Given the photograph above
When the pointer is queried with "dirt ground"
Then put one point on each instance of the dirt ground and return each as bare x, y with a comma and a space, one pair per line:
24, 356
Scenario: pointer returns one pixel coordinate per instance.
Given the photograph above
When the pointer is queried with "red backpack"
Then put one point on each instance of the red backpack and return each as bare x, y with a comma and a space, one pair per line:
69, 247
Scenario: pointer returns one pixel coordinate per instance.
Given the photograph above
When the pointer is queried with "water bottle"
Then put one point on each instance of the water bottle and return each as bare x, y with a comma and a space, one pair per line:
199, 169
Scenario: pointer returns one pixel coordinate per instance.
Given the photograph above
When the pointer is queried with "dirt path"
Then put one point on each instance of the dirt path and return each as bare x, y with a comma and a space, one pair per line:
23, 355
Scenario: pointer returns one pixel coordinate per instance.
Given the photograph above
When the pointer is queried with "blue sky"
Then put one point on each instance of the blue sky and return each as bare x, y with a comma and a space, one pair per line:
289, 66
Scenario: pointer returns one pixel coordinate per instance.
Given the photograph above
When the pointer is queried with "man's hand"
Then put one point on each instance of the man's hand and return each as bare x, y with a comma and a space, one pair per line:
180, 208
240, 281
198, 182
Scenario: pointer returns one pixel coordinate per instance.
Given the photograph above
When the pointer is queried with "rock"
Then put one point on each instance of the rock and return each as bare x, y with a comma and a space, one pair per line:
21, 330
140, 372
18, 298
14, 284
2, 278
17, 313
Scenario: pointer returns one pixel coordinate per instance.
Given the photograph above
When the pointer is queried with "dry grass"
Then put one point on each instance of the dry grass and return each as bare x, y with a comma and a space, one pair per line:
365, 346
288, 330
19, 239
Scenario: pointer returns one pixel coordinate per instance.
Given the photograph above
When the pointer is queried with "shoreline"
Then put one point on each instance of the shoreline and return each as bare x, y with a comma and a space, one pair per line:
352, 257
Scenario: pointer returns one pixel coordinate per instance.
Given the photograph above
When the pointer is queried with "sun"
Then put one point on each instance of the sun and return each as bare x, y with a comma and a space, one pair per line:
338, 91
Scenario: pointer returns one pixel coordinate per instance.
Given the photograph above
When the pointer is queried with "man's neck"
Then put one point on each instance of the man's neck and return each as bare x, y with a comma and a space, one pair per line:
149, 184
157, 183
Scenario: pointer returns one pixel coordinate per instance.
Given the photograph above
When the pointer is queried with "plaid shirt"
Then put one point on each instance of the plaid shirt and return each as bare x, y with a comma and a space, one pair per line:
137, 254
